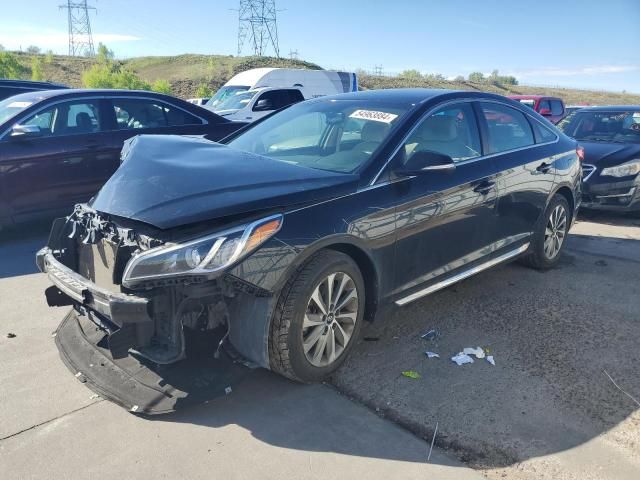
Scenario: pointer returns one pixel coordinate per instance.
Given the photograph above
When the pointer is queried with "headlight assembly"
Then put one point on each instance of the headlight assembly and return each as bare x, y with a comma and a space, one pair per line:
203, 255
624, 170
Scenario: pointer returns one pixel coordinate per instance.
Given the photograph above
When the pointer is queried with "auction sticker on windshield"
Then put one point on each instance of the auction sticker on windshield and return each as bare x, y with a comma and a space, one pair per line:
19, 104
374, 115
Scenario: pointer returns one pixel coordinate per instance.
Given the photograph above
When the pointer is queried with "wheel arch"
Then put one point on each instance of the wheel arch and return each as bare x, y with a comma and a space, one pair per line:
351, 247
567, 193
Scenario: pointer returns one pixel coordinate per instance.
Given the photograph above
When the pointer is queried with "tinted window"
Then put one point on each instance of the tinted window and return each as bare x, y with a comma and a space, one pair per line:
508, 128
68, 118
451, 130
295, 96
277, 99
133, 113
556, 107
544, 105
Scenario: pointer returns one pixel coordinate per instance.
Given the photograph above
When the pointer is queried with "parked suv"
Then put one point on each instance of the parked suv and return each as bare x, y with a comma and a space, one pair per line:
57, 147
297, 231
552, 108
9, 88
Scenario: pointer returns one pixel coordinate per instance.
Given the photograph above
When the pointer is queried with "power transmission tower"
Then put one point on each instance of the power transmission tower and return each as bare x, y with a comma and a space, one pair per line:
378, 72
80, 39
257, 22
293, 54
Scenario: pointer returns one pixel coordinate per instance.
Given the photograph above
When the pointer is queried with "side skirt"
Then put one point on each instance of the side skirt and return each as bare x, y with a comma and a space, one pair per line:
462, 275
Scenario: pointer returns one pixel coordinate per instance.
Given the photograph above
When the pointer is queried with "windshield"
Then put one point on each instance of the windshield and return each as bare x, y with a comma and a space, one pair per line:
334, 135
236, 101
599, 126
528, 102
224, 93
10, 107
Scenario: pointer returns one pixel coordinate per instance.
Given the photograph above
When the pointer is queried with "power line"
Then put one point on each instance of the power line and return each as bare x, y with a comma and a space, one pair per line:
257, 23
80, 38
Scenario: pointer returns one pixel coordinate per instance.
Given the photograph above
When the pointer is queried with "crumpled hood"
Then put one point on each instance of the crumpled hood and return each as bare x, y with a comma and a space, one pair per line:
604, 154
167, 181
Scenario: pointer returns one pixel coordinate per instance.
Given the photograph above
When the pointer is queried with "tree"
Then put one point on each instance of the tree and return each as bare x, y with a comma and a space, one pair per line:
104, 55
476, 77
9, 66
1, 48
48, 58
459, 78
33, 50
204, 91
161, 86
36, 69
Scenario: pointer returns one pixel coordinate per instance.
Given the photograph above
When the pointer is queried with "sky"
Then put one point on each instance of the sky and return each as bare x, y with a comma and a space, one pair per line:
572, 43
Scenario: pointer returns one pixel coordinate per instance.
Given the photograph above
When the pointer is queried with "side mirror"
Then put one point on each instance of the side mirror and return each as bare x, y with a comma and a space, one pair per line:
25, 131
426, 161
545, 112
263, 105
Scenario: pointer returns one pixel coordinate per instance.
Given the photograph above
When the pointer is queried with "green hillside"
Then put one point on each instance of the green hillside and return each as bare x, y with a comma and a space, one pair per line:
187, 72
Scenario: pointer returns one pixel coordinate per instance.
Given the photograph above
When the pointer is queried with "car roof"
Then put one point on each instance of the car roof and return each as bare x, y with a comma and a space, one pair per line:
532, 97
409, 95
612, 108
7, 82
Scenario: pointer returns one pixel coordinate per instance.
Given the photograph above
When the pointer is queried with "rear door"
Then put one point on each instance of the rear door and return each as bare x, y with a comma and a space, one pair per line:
525, 173
444, 218
54, 170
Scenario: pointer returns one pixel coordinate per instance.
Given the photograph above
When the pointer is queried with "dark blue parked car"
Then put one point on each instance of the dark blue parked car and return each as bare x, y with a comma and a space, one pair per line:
610, 137
299, 229
8, 88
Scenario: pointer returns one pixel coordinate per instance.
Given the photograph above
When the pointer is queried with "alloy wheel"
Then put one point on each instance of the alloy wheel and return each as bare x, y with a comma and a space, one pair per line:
330, 319
555, 232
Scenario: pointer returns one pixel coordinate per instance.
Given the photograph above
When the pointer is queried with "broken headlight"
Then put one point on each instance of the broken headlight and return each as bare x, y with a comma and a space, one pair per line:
203, 255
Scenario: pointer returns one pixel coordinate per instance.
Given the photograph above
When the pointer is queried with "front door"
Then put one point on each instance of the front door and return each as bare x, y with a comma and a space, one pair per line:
444, 218
50, 171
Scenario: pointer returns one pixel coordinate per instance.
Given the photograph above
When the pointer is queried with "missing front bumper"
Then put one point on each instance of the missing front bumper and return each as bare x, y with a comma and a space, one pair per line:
135, 383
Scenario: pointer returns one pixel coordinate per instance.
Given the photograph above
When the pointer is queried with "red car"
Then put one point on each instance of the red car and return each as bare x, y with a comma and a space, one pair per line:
552, 108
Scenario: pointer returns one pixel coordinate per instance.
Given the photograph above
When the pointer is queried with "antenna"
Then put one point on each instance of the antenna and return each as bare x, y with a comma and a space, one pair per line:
80, 39
257, 21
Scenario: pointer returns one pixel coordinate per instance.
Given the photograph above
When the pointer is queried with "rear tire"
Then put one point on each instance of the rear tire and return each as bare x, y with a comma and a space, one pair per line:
318, 318
550, 235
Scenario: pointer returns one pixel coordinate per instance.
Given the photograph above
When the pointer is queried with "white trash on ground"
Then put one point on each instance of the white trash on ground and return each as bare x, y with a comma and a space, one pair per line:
478, 352
462, 358
491, 360
432, 355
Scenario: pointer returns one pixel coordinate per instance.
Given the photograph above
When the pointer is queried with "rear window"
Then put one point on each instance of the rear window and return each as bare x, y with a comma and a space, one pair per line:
509, 129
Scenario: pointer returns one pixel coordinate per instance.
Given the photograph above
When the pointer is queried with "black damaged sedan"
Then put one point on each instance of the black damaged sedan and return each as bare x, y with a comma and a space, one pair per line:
296, 231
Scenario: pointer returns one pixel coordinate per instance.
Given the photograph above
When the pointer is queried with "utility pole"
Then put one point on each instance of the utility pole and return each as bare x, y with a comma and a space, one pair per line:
257, 23
80, 39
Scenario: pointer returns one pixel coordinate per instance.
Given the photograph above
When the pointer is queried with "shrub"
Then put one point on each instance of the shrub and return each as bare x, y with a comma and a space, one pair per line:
10, 67
36, 69
204, 91
161, 86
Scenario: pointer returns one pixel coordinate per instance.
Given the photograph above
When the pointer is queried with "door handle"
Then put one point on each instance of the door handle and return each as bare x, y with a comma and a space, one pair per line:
484, 187
543, 168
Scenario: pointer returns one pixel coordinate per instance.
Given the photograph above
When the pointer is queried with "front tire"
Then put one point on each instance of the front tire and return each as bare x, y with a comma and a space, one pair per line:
550, 235
318, 318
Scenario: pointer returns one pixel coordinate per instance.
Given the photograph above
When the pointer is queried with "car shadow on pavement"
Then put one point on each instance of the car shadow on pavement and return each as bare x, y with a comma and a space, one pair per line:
313, 418
18, 247
609, 218
552, 334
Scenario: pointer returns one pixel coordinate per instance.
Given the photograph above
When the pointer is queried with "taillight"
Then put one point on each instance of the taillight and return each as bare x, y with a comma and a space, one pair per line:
580, 153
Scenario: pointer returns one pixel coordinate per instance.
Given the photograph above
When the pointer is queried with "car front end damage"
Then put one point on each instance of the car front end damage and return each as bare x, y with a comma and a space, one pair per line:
132, 323
604, 189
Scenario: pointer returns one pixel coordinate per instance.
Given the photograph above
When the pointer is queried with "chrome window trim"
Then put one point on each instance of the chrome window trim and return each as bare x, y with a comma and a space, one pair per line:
475, 159
106, 97
462, 275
